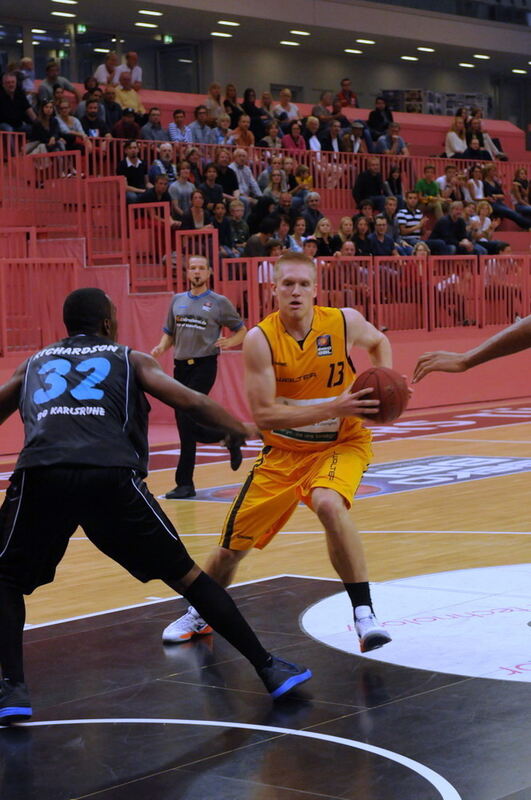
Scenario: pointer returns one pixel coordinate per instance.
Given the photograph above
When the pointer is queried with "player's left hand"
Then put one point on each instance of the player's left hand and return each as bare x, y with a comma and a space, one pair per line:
223, 342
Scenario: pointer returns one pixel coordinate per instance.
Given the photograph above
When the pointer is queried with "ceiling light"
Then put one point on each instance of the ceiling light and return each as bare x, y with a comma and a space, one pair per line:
464, 64
350, 50
62, 14
222, 34
151, 13
34, 43
409, 58
101, 50
481, 57
301, 33
290, 44
66, 2
185, 60
365, 41
37, 30
146, 25
19, 41
519, 71
228, 23
426, 49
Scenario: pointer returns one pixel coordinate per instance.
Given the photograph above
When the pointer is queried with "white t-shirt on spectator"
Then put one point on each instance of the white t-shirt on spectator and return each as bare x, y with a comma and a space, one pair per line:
102, 74
136, 73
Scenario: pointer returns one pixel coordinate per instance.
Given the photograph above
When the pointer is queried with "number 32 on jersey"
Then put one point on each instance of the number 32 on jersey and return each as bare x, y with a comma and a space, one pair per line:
86, 389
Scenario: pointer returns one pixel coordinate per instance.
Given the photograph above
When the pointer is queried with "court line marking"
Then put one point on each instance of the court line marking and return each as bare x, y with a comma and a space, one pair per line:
444, 787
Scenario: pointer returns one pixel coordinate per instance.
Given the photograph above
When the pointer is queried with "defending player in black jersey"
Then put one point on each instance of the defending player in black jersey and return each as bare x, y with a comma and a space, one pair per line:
84, 459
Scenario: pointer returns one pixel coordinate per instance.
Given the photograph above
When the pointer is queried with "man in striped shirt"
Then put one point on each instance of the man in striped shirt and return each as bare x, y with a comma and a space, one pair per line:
411, 222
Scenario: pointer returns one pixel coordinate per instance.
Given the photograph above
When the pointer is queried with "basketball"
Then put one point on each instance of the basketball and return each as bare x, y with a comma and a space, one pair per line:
389, 387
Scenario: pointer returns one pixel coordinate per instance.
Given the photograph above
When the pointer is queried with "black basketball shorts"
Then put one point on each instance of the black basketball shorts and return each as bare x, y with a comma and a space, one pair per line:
44, 506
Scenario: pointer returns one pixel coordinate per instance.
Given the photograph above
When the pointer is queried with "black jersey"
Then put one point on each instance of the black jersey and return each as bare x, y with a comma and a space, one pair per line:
81, 404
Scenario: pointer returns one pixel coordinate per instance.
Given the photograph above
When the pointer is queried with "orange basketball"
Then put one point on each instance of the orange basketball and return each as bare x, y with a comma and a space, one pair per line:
389, 387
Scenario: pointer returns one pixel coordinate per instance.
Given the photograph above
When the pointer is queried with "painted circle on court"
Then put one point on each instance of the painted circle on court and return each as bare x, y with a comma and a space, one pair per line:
442, 786
471, 622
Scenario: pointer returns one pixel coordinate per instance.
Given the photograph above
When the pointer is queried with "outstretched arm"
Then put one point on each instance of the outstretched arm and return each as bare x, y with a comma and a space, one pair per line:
10, 393
511, 340
155, 381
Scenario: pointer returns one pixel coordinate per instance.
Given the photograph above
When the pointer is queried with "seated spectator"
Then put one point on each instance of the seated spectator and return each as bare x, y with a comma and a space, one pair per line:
273, 249
347, 250
92, 123
199, 131
361, 236
323, 110
221, 223
158, 193
242, 136
393, 184
451, 229
265, 207
249, 189
81, 108
429, 192
474, 151
131, 65
367, 211
58, 94
455, 142
275, 162
346, 96
16, 113
197, 216
52, 79
271, 138
379, 119
239, 228
181, 191
285, 110
193, 156
520, 194
345, 233
339, 116
473, 189
256, 244
309, 247
126, 127
485, 141
469, 211
353, 140
27, 79
227, 178
231, 105
293, 140
178, 130
324, 236
135, 172
494, 193
391, 143
296, 237
222, 133
304, 184
213, 103
332, 140
312, 214
380, 242
212, 191
70, 129
450, 184
390, 212
289, 166
282, 230
106, 72
164, 164
256, 118
274, 186
128, 97
410, 219
266, 107
153, 130
310, 134
485, 229
421, 249
369, 185
90, 84
287, 208
112, 110
45, 134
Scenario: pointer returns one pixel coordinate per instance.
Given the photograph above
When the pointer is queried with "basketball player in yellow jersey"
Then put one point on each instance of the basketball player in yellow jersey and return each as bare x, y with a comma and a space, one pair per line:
298, 374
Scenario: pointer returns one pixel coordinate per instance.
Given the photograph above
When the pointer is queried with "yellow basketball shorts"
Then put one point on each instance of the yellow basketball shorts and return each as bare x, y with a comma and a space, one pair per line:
280, 479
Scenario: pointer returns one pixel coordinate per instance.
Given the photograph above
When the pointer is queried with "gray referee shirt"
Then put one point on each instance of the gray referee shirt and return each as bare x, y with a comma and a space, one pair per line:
194, 322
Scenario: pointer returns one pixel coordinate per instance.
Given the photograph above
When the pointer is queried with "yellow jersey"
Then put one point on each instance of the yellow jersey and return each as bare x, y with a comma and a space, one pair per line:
310, 372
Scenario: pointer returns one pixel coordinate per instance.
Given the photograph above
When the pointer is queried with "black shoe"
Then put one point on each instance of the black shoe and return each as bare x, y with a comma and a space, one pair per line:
15, 705
282, 676
180, 493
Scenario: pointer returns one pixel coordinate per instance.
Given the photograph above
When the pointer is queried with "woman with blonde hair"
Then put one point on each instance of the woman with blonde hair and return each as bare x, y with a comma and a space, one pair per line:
213, 103
455, 141
274, 186
324, 237
345, 233
296, 237
485, 227
520, 193
421, 249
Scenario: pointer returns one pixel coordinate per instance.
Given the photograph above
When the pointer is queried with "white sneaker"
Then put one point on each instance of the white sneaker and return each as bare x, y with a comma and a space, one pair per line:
182, 630
370, 632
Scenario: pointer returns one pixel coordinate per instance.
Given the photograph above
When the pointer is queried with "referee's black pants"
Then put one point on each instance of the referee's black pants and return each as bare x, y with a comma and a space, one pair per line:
198, 374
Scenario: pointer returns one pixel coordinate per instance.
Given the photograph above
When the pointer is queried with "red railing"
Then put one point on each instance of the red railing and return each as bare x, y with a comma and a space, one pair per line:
505, 288
150, 253
106, 220
32, 293
17, 242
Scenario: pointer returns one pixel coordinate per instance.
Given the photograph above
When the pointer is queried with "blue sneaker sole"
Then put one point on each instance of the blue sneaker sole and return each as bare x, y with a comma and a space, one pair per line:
15, 713
295, 680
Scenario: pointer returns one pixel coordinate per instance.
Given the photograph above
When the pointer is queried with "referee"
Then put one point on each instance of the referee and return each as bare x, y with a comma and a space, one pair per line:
193, 328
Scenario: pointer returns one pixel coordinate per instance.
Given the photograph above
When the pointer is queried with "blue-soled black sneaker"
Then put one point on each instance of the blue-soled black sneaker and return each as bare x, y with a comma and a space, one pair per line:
15, 704
282, 676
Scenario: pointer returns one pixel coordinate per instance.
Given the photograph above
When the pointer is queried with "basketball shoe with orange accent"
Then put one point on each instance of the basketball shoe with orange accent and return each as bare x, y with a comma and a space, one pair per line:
370, 632
182, 630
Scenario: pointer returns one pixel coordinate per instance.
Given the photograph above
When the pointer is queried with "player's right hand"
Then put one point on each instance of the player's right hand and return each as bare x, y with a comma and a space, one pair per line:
157, 351
356, 404
439, 361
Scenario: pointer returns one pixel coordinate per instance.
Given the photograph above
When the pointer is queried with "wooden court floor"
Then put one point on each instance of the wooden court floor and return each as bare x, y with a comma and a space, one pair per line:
476, 523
